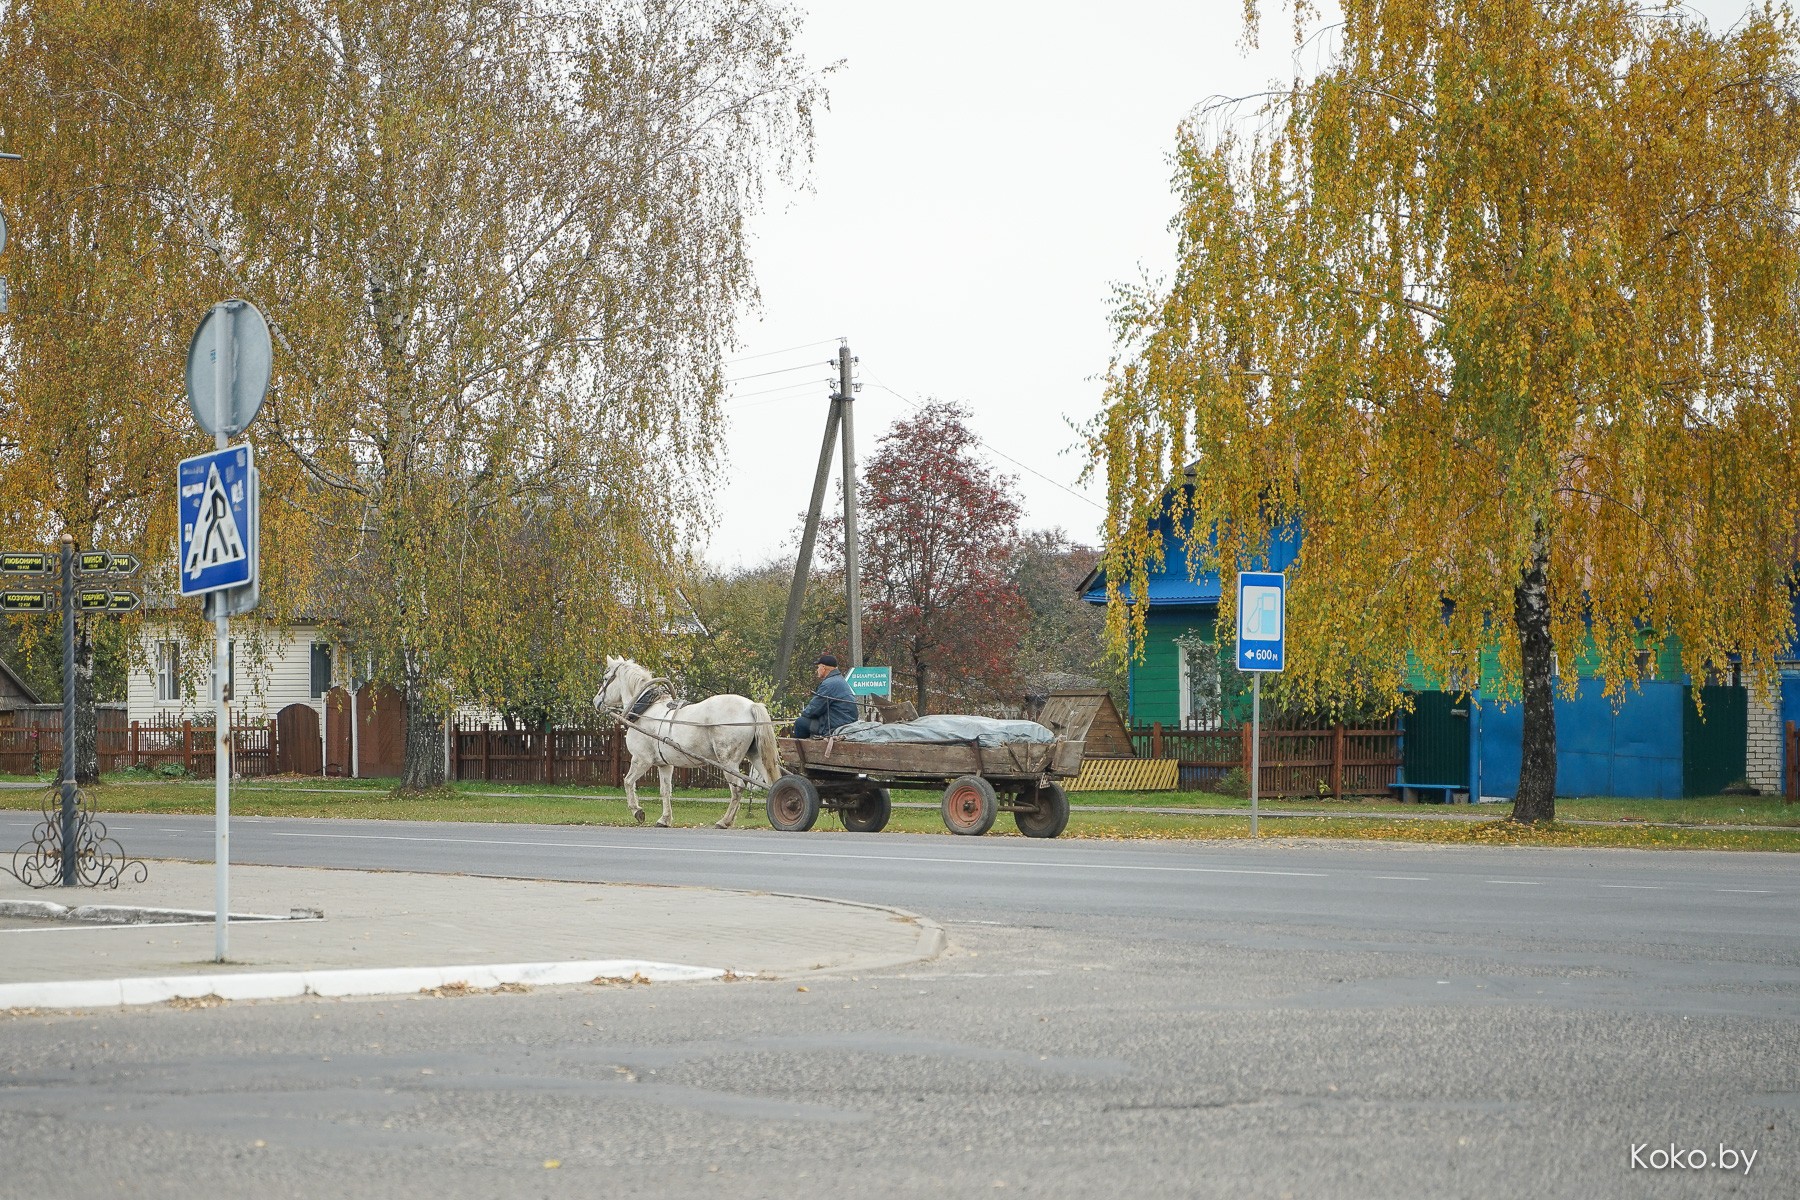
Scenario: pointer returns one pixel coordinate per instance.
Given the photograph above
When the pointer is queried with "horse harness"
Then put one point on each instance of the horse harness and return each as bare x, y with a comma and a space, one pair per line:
650, 695
655, 690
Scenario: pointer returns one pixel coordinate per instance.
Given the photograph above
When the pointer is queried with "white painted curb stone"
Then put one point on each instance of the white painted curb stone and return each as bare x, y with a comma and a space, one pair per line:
367, 981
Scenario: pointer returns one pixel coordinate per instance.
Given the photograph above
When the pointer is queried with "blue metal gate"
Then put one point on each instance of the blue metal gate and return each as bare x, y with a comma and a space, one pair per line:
1635, 751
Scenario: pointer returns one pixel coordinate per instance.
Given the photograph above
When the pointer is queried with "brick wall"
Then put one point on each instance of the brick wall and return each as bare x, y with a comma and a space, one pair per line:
1762, 748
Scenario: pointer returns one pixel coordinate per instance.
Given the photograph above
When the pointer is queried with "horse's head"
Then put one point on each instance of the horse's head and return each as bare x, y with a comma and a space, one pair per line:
621, 684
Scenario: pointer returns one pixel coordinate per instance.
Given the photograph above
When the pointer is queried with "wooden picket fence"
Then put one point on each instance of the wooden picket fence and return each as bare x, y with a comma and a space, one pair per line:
576, 756
1341, 760
36, 748
579, 756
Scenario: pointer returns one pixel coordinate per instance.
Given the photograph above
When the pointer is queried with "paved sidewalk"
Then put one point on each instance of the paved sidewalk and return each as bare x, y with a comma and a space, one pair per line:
376, 923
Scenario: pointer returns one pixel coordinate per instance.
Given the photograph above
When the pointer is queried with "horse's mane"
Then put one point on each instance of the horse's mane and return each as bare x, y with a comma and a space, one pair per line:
633, 675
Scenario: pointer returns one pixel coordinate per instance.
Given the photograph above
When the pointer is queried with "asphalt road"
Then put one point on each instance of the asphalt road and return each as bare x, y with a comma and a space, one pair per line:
1139, 1019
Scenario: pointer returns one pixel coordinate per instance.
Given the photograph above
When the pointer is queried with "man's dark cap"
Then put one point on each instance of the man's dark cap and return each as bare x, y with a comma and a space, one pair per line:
827, 660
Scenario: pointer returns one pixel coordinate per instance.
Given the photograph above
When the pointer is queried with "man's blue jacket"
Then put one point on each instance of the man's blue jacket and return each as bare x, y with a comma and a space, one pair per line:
832, 706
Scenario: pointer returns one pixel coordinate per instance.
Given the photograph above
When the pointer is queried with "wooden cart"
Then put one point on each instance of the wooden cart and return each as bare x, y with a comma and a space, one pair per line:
852, 778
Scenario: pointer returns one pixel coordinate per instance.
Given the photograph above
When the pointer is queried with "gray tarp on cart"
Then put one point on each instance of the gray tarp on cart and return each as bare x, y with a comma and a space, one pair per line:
986, 731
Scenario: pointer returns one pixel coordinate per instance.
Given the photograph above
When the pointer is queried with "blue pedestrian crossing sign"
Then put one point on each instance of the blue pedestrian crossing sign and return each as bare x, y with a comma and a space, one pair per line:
218, 518
1262, 621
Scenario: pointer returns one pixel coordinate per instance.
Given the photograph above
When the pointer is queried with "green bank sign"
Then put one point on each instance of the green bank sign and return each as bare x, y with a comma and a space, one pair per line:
870, 681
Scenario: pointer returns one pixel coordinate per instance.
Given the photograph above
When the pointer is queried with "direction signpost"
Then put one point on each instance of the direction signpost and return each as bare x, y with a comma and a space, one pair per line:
1261, 648
25, 562
219, 509
73, 600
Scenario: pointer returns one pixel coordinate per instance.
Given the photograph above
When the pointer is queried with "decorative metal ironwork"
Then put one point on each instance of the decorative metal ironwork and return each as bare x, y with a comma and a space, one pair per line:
100, 861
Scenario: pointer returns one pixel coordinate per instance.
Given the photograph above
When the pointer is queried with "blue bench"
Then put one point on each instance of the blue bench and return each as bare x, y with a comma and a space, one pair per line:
1437, 793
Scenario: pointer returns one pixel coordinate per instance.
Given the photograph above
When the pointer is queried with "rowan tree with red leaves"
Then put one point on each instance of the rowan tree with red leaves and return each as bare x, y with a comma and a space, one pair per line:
938, 530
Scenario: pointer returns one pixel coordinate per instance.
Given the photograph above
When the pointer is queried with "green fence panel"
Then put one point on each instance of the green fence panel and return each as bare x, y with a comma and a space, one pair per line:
1712, 749
1437, 739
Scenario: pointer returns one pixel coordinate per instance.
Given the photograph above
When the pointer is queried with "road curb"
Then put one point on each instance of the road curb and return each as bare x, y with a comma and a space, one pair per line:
362, 981
122, 914
932, 940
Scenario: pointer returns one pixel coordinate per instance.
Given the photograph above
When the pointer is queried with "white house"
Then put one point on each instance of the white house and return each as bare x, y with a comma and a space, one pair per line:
271, 667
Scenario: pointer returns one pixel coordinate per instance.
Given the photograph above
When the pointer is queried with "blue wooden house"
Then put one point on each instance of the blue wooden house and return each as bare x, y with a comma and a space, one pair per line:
1653, 744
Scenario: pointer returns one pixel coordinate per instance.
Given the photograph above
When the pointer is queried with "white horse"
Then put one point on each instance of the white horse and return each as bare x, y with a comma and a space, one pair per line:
733, 732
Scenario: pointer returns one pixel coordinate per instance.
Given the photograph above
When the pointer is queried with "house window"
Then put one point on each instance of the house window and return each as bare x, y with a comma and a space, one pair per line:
321, 669
168, 671
1202, 686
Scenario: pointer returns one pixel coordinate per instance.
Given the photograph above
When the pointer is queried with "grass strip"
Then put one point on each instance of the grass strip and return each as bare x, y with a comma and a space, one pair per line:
546, 805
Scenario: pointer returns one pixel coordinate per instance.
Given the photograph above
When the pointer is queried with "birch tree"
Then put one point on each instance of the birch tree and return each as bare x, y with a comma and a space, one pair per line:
92, 345
501, 245
1502, 307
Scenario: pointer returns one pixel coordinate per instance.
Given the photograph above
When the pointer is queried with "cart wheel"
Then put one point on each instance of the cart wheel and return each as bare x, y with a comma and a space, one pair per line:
870, 811
793, 804
969, 806
1051, 817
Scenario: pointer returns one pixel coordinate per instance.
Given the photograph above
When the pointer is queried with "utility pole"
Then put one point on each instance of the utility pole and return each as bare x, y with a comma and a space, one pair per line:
790, 623
837, 415
852, 559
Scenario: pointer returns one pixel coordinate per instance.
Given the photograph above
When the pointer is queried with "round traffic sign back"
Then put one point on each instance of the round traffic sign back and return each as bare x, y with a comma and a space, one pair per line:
232, 344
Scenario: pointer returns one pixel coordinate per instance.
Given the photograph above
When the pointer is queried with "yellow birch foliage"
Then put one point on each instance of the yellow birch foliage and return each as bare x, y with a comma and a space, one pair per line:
500, 244
92, 415
1503, 285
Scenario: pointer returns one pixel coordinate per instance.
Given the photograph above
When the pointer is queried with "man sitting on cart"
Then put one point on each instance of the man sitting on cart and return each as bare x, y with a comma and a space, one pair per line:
832, 706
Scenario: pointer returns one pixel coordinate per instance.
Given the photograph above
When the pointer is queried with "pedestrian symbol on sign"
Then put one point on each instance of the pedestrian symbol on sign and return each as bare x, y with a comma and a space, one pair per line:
216, 500
216, 539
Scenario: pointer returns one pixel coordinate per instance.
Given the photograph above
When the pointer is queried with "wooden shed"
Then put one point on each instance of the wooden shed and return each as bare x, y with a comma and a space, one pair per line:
14, 694
1106, 737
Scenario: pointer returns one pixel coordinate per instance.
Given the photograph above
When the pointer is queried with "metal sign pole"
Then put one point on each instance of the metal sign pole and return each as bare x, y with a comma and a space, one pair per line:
228, 364
1261, 647
222, 378
1255, 745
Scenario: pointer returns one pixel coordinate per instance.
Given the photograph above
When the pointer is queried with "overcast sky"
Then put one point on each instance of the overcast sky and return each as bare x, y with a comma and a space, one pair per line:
986, 172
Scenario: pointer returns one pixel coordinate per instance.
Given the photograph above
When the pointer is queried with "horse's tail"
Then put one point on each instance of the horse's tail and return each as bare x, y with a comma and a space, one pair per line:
763, 761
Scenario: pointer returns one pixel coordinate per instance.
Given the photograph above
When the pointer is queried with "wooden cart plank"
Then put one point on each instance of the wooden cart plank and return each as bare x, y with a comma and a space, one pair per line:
930, 760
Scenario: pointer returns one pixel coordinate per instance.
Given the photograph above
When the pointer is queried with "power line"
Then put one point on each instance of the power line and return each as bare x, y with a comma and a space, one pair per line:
788, 350
795, 387
1009, 458
774, 400
776, 371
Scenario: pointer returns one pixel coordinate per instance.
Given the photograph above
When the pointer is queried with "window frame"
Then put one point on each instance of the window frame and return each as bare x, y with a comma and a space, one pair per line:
167, 674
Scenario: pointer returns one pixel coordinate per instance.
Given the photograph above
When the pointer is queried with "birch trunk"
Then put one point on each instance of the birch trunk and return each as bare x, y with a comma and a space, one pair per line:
424, 768
1535, 800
